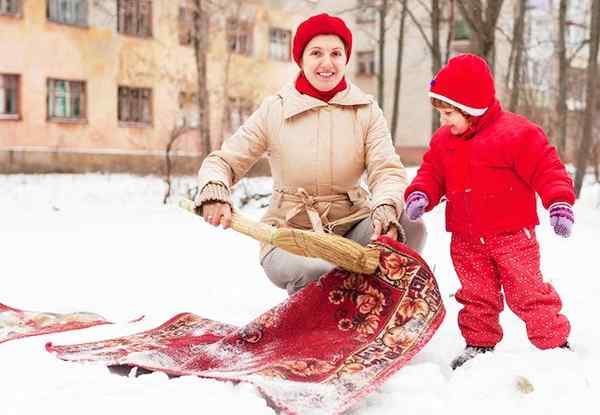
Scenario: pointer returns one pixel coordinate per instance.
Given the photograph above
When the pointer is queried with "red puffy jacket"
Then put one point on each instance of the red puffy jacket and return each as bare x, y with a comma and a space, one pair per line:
491, 173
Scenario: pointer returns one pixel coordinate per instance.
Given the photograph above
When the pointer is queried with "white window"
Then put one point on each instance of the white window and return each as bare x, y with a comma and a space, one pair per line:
9, 95
279, 44
68, 11
135, 17
135, 105
189, 114
240, 35
366, 63
66, 99
240, 110
10, 7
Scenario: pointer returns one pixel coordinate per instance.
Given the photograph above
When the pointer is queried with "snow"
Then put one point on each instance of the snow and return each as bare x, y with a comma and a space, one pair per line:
106, 244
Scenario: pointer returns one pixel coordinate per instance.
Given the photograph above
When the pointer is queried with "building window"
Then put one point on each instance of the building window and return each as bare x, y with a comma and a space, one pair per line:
189, 114
367, 11
9, 96
135, 17
279, 44
10, 7
462, 30
68, 11
239, 36
186, 26
366, 63
240, 110
66, 99
135, 105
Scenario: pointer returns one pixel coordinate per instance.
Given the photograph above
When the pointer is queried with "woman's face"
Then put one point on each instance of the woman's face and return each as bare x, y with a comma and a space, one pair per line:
324, 61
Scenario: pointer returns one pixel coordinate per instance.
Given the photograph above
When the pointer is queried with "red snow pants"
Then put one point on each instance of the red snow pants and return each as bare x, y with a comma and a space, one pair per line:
508, 262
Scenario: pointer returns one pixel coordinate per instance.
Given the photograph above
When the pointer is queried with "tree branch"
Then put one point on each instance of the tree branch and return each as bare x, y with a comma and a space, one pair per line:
420, 28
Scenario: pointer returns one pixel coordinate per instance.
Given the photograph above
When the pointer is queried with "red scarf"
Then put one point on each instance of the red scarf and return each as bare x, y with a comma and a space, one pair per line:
306, 88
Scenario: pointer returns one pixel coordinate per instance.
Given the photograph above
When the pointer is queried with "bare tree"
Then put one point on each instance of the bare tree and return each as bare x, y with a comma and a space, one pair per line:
433, 44
483, 25
590, 102
563, 67
517, 47
398, 78
383, 11
175, 134
233, 24
200, 43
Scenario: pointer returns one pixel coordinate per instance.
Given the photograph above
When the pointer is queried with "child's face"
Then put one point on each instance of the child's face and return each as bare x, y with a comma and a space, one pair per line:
454, 119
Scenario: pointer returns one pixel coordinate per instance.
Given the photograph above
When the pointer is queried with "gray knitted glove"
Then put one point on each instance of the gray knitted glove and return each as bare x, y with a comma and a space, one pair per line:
386, 214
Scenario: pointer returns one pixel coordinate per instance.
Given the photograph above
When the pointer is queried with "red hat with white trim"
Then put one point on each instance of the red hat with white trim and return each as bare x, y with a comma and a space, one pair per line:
466, 82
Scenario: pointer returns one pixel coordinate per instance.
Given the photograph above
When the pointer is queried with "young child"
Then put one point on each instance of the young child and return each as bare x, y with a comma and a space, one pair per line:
489, 164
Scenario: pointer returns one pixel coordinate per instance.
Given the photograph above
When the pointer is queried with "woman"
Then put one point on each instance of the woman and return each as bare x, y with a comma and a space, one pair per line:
320, 135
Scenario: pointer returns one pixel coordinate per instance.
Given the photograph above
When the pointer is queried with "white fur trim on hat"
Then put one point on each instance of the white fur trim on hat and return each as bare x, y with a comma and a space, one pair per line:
469, 110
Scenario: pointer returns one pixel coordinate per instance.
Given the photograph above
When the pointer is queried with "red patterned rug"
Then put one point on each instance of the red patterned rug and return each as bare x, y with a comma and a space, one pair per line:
320, 351
16, 324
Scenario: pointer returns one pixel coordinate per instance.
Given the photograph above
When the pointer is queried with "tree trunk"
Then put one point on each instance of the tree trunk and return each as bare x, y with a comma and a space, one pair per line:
563, 66
398, 79
436, 53
517, 48
483, 25
225, 117
590, 101
381, 73
200, 39
450, 37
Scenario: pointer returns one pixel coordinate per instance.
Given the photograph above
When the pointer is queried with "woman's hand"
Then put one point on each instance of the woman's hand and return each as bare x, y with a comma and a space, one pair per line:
217, 213
392, 232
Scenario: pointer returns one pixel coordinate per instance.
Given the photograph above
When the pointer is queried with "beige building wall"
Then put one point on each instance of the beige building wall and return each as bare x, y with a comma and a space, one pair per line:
37, 49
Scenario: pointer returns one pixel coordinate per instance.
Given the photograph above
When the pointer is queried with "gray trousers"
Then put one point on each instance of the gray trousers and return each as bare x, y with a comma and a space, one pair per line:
293, 272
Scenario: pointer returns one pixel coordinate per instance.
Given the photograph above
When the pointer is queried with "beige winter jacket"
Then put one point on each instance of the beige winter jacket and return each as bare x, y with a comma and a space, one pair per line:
317, 153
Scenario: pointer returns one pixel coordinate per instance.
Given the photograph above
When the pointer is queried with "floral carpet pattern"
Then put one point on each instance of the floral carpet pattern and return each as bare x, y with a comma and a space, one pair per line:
319, 352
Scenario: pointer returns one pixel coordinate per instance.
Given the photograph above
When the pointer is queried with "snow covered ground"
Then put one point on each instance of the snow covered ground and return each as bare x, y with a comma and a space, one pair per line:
106, 244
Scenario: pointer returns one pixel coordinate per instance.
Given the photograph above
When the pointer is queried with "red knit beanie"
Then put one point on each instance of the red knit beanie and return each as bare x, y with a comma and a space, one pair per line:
466, 82
321, 24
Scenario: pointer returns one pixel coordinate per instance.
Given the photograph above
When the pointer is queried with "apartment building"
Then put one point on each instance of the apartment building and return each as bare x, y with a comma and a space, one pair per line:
88, 85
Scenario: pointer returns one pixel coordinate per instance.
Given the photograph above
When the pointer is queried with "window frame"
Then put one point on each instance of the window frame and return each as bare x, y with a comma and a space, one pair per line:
242, 29
135, 14
18, 9
274, 30
185, 21
188, 113
370, 66
50, 89
76, 22
140, 122
242, 108
461, 31
16, 116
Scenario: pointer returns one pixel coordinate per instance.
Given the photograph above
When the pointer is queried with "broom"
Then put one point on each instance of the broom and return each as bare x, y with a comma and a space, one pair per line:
338, 250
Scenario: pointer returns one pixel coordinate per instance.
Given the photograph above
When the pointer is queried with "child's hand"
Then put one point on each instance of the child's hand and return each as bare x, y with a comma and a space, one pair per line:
562, 218
416, 204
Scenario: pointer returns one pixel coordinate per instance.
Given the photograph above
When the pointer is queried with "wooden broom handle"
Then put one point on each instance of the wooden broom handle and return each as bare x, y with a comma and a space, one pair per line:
240, 223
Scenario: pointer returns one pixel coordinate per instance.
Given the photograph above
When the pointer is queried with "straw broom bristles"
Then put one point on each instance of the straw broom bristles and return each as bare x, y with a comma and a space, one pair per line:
338, 250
